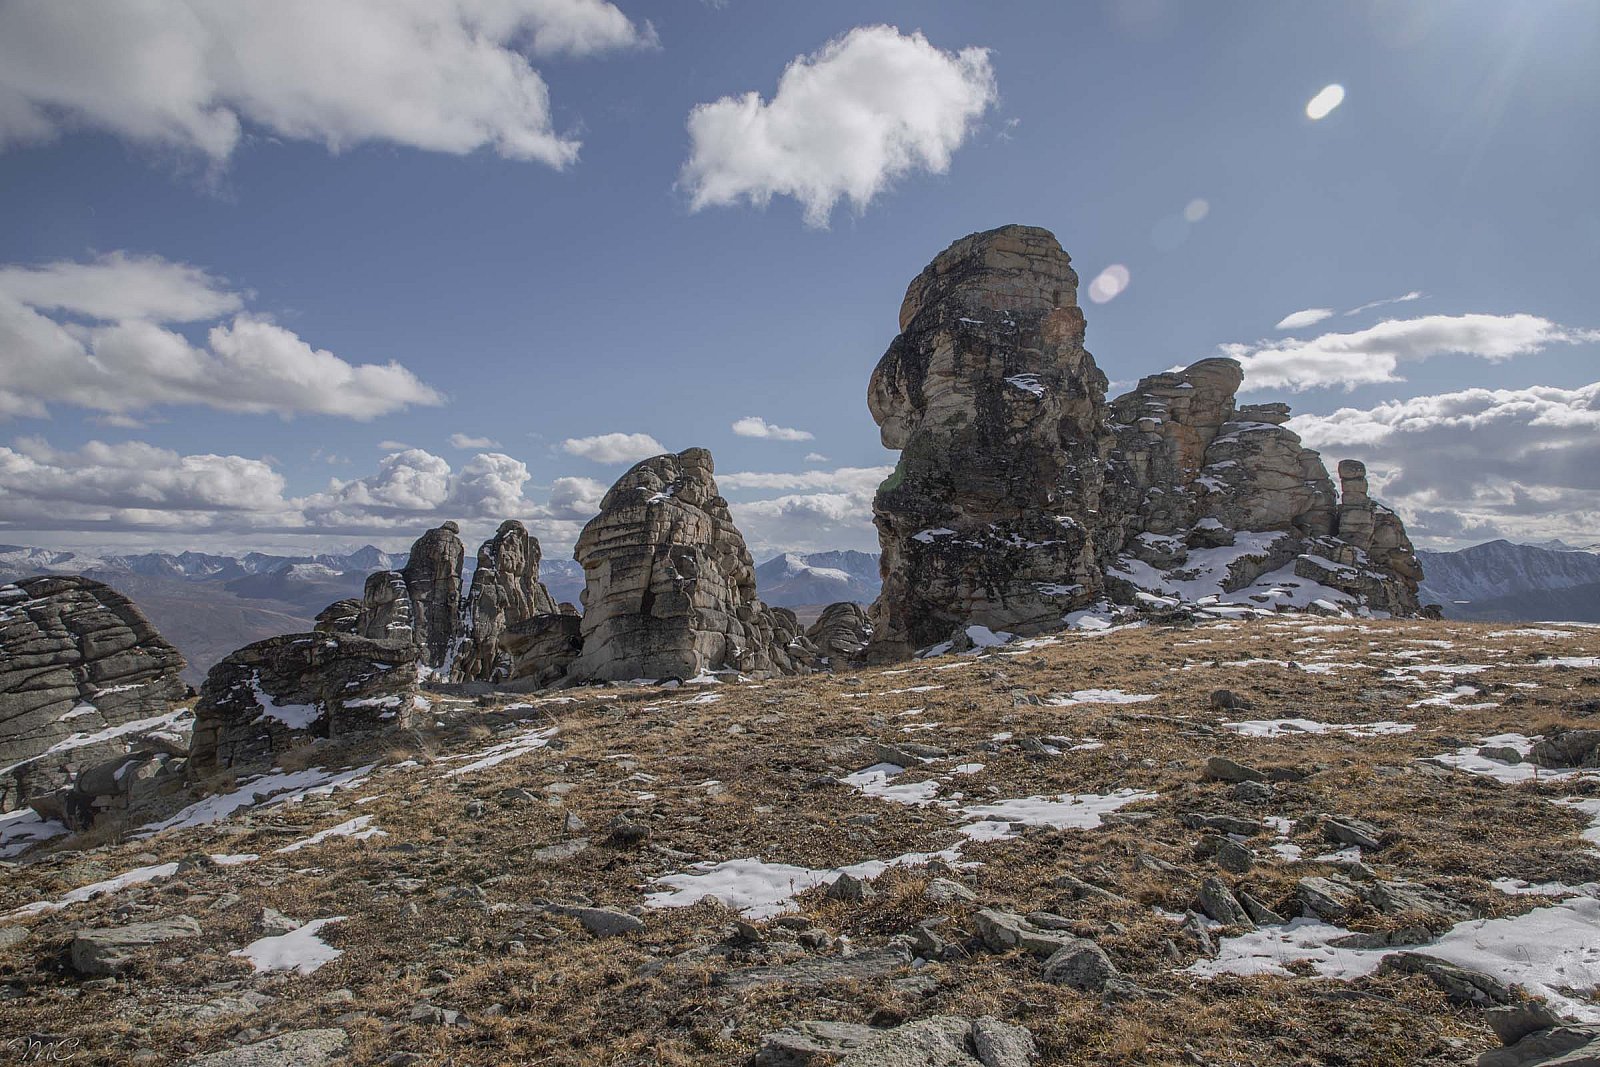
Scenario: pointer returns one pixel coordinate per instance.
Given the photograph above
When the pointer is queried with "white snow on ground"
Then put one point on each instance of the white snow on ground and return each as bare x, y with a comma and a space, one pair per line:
1082, 811
1590, 806
301, 951
294, 716
983, 637
1544, 950
1290, 727
1516, 887
1467, 759
137, 876
874, 782
760, 890
1532, 631
358, 828
1568, 661
20, 830
497, 754
277, 787
1098, 696
1448, 699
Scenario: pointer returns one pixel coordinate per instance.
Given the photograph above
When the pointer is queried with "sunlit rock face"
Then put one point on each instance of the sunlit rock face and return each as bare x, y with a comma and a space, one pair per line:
998, 412
80, 669
670, 586
505, 591
1021, 496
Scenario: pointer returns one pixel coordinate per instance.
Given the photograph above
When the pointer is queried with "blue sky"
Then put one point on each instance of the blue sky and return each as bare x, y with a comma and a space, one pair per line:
507, 209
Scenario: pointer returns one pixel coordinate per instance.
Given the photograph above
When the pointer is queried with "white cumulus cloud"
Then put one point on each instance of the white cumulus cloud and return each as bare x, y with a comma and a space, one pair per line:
756, 426
846, 121
614, 447
95, 335
196, 74
1522, 463
1309, 317
461, 440
1373, 355
833, 510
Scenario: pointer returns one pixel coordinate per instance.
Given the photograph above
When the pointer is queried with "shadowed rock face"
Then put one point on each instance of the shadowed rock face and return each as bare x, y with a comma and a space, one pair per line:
77, 660
1021, 495
432, 578
670, 586
274, 694
505, 591
998, 411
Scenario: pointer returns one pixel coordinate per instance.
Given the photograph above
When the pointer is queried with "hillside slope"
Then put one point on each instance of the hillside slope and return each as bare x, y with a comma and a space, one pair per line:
560, 879
1502, 580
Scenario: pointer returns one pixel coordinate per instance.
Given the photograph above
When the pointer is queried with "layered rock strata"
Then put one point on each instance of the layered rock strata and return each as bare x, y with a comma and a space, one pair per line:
506, 591
1021, 496
289, 690
84, 677
670, 589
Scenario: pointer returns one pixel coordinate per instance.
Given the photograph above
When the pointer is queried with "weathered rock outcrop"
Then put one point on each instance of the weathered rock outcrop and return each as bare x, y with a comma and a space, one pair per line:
541, 648
386, 610
340, 617
505, 592
1022, 496
83, 676
284, 691
432, 578
841, 632
998, 412
670, 586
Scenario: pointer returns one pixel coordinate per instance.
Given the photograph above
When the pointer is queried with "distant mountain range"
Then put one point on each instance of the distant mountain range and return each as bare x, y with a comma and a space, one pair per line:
208, 605
819, 578
1500, 580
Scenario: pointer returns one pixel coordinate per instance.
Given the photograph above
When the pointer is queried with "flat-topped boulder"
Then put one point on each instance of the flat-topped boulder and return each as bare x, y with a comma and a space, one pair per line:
83, 675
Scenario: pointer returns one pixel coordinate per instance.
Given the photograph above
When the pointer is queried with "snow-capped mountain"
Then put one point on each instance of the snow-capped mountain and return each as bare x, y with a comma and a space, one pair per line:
1502, 580
794, 580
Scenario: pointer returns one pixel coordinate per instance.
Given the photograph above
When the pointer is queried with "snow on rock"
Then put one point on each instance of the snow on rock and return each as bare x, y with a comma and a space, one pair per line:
1545, 950
300, 951
20, 830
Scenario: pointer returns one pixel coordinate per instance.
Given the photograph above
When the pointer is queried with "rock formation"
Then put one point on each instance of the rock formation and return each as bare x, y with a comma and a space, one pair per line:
83, 676
1022, 496
841, 632
274, 694
505, 592
432, 577
670, 586
998, 412
340, 617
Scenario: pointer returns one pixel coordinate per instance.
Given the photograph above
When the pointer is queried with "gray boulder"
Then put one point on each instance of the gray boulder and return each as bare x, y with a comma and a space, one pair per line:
113, 950
810, 1044
1559, 1046
946, 1041
297, 1048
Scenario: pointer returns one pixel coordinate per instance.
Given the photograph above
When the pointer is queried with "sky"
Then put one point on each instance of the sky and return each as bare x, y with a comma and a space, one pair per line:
305, 275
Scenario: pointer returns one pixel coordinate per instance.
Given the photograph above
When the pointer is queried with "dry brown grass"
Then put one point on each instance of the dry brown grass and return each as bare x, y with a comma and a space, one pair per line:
654, 997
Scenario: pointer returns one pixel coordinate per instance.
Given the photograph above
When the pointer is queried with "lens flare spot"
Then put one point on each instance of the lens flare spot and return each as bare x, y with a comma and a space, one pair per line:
1109, 283
1197, 209
1322, 105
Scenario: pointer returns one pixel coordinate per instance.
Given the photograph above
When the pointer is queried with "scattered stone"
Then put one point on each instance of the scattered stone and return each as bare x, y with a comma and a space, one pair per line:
272, 923
1228, 700
1334, 901
1253, 792
1459, 984
1560, 1046
866, 966
944, 892
1223, 769
1567, 748
303, 1048
113, 950
1002, 931
849, 888
1217, 901
946, 1041
1232, 856
560, 852
1259, 913
1344, 830
603, 922
810, 1044
1082, 965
